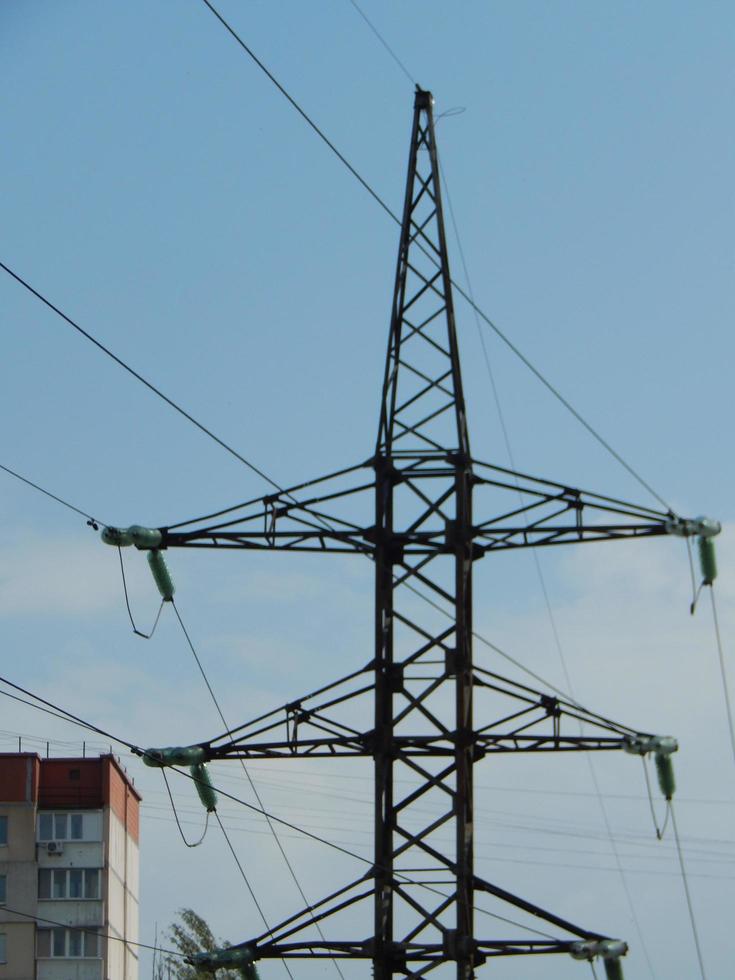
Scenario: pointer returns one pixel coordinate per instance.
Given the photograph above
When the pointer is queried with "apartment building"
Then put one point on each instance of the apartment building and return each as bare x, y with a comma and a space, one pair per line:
68, 869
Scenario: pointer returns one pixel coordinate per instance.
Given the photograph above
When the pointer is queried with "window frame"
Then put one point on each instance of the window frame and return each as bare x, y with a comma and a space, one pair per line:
3, 948
54, 875
71, 822
89, 943
3, 890
4, 826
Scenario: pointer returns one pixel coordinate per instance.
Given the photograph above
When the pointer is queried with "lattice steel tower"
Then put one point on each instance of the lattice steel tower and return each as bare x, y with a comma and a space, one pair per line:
421, 535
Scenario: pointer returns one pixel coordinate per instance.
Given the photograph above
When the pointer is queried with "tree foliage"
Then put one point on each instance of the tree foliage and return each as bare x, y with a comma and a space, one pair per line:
190, 935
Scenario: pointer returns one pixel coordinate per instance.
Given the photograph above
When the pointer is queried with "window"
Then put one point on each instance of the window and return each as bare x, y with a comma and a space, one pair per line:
3, 948
45, 826
3, 830
3, 889
75, 883
60, 826
67, 943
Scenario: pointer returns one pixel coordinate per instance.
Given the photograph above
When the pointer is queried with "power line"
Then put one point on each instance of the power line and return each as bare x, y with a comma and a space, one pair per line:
690, 907
300, 830
61, 712
176, 816
91, 931
379, 200
139, 377
723, 672
92, 521
547, 600
253, 787
383, 41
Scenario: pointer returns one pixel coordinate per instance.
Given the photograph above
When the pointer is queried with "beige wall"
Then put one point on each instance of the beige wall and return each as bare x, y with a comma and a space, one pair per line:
18, 863
122, 899
21, 950
70, 970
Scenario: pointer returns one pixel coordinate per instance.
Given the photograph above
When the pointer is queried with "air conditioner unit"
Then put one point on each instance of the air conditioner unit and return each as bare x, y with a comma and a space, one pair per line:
55, 847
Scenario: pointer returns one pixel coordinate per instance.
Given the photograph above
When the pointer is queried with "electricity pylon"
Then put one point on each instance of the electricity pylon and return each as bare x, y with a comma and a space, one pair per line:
409, 508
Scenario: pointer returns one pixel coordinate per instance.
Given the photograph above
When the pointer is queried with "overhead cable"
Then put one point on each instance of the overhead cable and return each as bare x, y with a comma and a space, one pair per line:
300, 830
254, 788
389, 211
383, 41
139, 377
547, 600
91, 930
63, 713
92, 521
723, 672
690, 907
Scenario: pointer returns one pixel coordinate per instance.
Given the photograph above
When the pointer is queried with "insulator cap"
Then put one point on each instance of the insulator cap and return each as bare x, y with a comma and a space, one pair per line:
643, 744
609, 949
238, 958
684, 527
118, 537
145, 537
142, 537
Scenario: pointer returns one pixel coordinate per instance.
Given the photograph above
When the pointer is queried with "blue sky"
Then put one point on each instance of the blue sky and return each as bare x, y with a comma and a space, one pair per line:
162, 192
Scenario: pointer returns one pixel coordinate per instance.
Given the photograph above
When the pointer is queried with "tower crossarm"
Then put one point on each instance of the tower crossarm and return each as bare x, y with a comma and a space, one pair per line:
309, 933
327, 724
327, 514
544, 513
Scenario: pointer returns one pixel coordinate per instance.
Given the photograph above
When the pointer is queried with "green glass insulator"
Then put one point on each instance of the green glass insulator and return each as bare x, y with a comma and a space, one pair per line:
613, 969
145, 537
161, 575
665, 772
239, 958
707, 560
203, 783
175, 755
118, 537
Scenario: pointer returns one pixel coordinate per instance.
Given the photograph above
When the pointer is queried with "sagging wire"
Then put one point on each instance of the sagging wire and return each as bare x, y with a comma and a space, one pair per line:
545, 591
235, 799
91, 931
255, 793
176, 816
247, 883
385, 44
145, 636
708, 563
685, 882
91, 521
723, 672
462, 292
660, 830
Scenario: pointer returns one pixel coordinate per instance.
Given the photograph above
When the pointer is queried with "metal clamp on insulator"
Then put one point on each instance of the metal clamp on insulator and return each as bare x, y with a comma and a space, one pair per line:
663, 747
609, 951
643, 744
684, 527
239, 958
144, 538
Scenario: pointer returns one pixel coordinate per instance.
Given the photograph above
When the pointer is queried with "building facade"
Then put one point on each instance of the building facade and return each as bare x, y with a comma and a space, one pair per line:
68, 869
